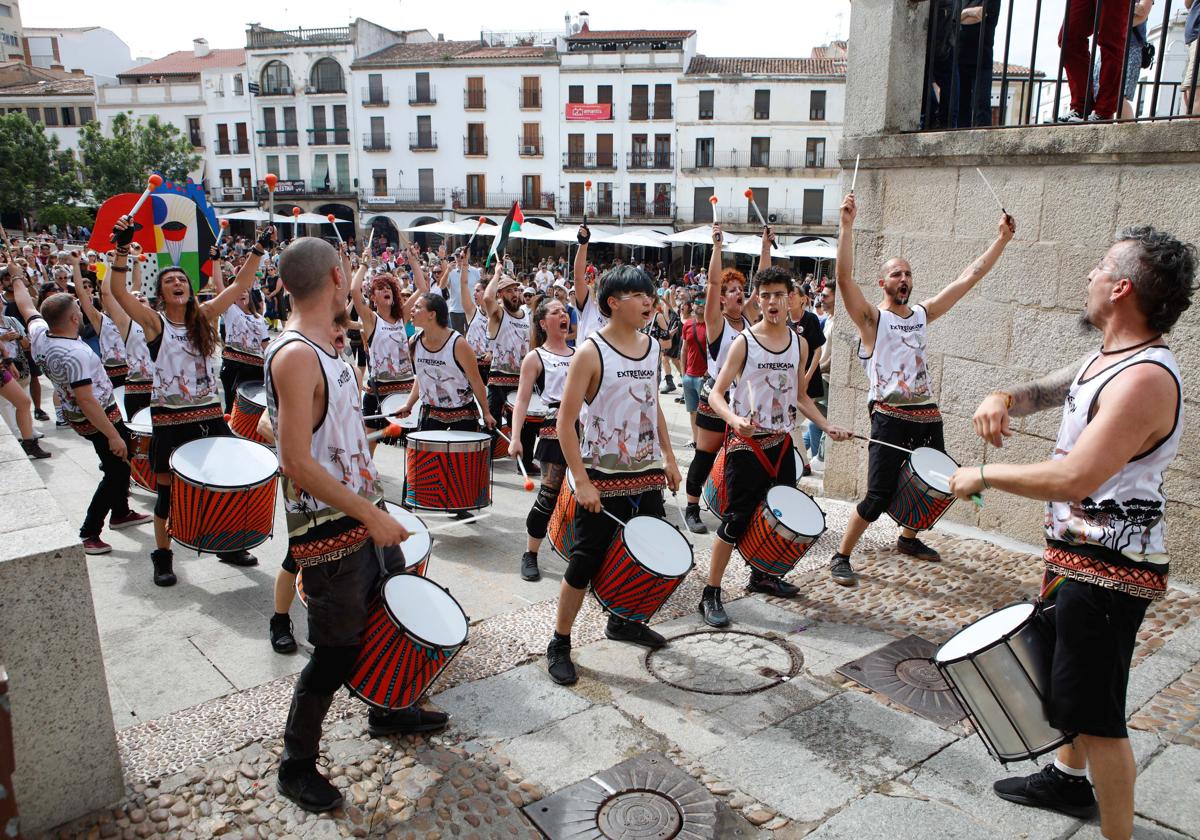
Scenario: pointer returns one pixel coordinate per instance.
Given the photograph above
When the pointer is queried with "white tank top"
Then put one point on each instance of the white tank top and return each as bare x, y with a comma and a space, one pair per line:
141, 366
439, 376
112, 349
722, 343
244, 335
896, 368
767, 387
339, 441
182, 378
553, 379
387, 353
1127, 515
620, 426
591, 319
510, 343
477, 335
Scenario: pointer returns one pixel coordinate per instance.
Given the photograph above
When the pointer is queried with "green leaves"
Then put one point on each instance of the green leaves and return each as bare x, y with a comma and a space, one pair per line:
34, 172
132, 149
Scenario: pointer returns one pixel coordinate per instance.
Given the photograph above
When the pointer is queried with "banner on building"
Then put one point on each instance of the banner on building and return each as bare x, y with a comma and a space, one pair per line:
586, 111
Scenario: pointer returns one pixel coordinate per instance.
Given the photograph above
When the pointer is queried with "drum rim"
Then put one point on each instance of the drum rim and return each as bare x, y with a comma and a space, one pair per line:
1005, 638
262, 385
404, 628
428, 533
177, 474
691, 548
944, 494
779, 523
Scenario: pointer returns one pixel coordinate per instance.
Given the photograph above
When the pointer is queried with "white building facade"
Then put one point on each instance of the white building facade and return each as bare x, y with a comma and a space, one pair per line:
60, 100
97, 51
10, 31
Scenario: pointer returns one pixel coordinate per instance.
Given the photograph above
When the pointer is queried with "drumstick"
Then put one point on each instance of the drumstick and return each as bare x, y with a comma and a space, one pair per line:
976, 497
152, 183
333, 221
992, 191
271, 179
392, 430
520, 465
448, 525
682, 515
750, 195
881, 442
854, 180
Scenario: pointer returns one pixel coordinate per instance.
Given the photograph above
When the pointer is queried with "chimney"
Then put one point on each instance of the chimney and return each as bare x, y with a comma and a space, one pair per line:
583, 22
75, 71
57, 67
200, 47
441, 36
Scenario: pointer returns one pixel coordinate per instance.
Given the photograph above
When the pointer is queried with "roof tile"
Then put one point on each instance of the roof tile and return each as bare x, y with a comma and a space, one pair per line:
185, 62
727, 66
630, 34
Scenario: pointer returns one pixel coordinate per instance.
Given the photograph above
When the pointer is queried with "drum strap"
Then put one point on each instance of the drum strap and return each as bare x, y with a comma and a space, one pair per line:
773, 470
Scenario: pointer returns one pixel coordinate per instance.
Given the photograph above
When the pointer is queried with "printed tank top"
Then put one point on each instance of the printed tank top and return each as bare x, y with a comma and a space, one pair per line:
141, 366
183, 379
388, 361
510, 344
620, 424
553, 378
442, 382
766, 389
896, 367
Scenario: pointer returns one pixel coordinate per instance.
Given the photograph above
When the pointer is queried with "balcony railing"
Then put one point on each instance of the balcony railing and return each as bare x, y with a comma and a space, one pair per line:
473, 200
475, 146
530, 146
228, 194
278, 90
418, 142
374, 98
373, 142
539, 202
258, 37
529, 98
589, 160
271, 138
474, 100
739, 159
650, 160
573, 211
647, 111
727, 215
422, 96
404, 197
650, 209
328, 136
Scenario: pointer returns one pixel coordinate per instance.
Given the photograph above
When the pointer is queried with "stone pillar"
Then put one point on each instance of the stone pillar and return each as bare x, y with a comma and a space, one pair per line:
63, 736
885, 66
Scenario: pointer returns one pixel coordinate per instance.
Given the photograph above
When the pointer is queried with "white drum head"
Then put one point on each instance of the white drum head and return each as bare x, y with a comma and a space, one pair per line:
934, 468
796, 510
984, 632
799, 463
417, 546
426, 610
393, 403
224, 462
536, 408
440, 436
255, 392
658, 546
570, 481
119, 396
141, 423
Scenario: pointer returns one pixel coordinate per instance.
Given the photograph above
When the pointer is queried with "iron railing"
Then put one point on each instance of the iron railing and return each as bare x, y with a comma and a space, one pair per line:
753, 159
474, 100
462, 199
418, 141
475, 146
650, 160
328, 136
589, 160
376, 142
411, 197
419, 96
374, 98
278, 137
530, 146
257, 37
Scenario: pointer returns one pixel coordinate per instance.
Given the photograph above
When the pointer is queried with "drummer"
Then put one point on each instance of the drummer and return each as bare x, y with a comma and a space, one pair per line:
508, 335
185, 404
543, 372
336, 523
139, 381
86, 395
1106, 557
112, 347
625, 456
765, 368
591, 318
893, 345
246, 338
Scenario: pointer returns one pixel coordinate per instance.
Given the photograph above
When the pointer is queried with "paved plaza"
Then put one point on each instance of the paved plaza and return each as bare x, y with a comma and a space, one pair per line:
772, 740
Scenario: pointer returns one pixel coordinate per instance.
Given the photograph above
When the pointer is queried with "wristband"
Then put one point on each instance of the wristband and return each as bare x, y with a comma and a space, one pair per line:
1008, 398
986, 486
122, 250
119, 269
258, 249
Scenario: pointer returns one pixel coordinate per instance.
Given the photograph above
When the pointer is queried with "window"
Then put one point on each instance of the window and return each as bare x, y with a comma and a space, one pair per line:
243, 142
762, 104
639, 102
276, 78
343, 173
425, 186
531, 138
51, 117
423, 93
604, 198
476, 140
273, 163
475, 191
341, 134
816, 105
637, 199
223, 139
244, 179
291, 135
531, 191
604, 94
639, 152
575, 195
761, 196
68, 116
705, 153
86, 115
375, 89
5, 10
814, 155
814, 206
706, 105
194, 135
321, 179
425, 132
662, 102
531, 92
293, 167
379, 181
239, 88
662, 201
227, 178
476, 99
702, 208
378, 135
604, 151
662, 151
34, 114
760, 151
319, 135
575, 93
326, 77
575, 155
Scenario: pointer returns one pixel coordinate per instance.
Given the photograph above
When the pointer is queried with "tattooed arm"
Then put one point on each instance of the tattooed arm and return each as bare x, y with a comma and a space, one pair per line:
941, 303
991, 418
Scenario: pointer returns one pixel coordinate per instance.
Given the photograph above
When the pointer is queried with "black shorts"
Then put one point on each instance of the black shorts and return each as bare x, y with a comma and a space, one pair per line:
594, 532
707, 419
884, 462
289, 563
339, 594
747, 482
1095, 633
166, 439
549, 451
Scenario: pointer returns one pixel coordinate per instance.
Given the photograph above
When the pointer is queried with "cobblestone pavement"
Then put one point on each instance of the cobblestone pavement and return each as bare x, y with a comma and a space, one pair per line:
1174, 713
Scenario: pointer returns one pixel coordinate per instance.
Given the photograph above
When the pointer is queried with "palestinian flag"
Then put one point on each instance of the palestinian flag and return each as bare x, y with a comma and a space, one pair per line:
512, 222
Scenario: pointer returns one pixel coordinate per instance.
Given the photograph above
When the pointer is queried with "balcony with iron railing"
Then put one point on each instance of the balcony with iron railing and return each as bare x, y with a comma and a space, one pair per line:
328, 136
474, 100
278, 90
260, 38
530, 146
589, 160
753, 159
656, 208
475, 146
277, 137
374, 98
228, 148
463, 199
374, 141
746, 217
650, 160
596, 211
422, 96
529, 99
231, 195
421, 142
647, 111
399, 197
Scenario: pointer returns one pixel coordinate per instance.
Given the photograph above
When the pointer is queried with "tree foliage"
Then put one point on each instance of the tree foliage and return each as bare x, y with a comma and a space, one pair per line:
121, 162
34, 172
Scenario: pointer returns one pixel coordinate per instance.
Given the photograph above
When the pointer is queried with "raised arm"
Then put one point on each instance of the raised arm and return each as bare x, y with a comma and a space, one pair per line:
83, 295
146, 317
857, 307
464, 285
991, 420
940, 304
21, 296
420, 281
365, 314
712, 297
491, 298
245, 277
579, 268
218, 273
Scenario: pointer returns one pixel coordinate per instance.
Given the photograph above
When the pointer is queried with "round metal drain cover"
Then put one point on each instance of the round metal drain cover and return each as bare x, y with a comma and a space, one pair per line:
730, 662
920, 673
639, 815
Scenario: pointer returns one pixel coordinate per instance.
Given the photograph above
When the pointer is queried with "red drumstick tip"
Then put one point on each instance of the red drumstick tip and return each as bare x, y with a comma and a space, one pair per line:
224, 223
295, 211
587, 185
528, 485
712, 199
393, 430
141, 257
155, 181
330, 217
270, 179
226, 418
749, 194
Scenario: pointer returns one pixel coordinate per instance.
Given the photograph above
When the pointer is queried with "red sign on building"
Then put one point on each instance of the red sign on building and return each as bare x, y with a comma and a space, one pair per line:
583, 111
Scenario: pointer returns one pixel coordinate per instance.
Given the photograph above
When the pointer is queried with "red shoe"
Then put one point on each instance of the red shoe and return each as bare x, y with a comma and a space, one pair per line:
131, 518
95, 545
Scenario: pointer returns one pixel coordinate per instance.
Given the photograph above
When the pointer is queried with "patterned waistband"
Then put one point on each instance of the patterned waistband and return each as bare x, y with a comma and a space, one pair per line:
85, 427
707, 410
1141, 583
138, 386
503, 380
390, 387
160, 416
737, 443
629, 485
310, 550
452, 415
548, 430
916, 414
243, 357
117, 370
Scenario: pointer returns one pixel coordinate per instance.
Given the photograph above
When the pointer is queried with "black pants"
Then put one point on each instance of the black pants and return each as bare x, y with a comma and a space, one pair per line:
595, 531
112, 494
234, 374
748, 482
884, 462
135, 402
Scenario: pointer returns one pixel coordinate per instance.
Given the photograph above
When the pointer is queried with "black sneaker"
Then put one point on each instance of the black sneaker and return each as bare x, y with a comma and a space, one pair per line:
558, 662
405, 721
529, 566
164, 575
1071, 116
771, 585
237, 558
300, 782
1051, 789
622, 630
691, 518
913, 547
282, 639
680, 400
712, 609
34, 450
38, 414
668, 387
840, 571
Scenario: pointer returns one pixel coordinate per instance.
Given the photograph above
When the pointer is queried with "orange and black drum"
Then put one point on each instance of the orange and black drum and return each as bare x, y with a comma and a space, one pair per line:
141, 431
716, 494
414, 629
223, 494
784, 527
645, 563
248, 408
448, 470
560, 530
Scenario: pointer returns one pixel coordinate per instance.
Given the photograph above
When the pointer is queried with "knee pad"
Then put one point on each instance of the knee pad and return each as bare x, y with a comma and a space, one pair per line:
539, 515
732, 527
698, 472
162, 502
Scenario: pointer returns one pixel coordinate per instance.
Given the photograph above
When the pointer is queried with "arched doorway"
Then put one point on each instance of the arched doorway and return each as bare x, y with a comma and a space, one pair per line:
345, 220
382, 232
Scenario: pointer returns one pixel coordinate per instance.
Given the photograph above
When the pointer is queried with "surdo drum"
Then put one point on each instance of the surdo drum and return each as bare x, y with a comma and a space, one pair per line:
447, 470
222, 494
782, 530
248, 407
645, 563
141, 431
923, 491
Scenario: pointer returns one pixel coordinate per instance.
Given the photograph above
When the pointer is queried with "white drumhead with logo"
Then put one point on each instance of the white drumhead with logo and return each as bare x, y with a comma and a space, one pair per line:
934, 468
224, 462
426, 610
394, 402
796, 510
658, 546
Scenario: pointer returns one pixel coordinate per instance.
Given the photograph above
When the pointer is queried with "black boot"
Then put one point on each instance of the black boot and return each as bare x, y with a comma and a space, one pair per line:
33, 449
623, 630
668, 386
771, 585
162, 559
300, 782
282, 639
691, 518
712, 609
558, 661
237, 558
529, 566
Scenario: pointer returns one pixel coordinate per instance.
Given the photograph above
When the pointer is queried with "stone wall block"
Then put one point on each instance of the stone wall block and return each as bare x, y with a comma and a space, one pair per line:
1079, 204
1047, 341
1020, 190
1161, 196
1025, 275
1183, 540
920, 200
974, 329
1075, 262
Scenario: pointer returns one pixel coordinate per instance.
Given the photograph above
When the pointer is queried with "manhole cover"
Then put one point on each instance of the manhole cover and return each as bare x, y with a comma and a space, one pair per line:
728, 662
639, 815
644, 798
903, 672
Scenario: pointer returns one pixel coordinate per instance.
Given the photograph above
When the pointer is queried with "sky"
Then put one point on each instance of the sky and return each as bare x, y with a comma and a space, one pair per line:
723, 27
